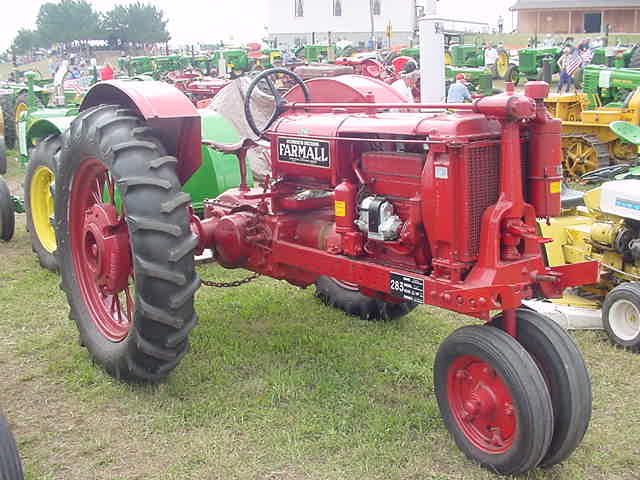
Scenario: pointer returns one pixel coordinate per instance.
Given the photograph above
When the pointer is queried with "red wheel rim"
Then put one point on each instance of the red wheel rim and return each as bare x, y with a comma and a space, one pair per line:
99, 241
481, 404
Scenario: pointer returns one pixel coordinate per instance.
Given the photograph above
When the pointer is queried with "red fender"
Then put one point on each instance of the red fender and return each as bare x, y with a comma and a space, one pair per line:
165, 109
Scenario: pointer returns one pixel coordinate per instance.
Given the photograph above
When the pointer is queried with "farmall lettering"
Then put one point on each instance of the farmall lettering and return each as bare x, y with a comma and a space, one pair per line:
304, 152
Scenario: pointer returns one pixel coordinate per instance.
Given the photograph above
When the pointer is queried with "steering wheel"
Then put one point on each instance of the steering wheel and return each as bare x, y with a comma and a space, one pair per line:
280, 101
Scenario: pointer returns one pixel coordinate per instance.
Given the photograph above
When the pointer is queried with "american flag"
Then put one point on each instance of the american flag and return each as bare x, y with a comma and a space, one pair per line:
572, 63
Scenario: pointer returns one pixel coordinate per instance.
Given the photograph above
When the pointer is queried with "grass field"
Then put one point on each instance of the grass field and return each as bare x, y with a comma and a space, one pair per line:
276, 386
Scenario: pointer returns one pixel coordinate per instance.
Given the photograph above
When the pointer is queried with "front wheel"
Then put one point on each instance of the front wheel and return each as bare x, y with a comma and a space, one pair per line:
125, 244
493, 399
347, 297
512, 75
7, 214
621, 315
10, 465
39, 188
566, 376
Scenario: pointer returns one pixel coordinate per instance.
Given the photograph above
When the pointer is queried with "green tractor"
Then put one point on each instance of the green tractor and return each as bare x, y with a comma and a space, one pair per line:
142, 65
316, 52
480, 80
472, 56
236, 60
617, 57
13, 102
530, 62
450, 39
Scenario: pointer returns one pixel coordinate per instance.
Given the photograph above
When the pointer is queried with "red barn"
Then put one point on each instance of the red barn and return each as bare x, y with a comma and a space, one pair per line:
577, 16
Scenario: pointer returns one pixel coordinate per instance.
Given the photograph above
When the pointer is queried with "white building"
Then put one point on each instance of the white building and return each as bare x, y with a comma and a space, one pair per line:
296, 22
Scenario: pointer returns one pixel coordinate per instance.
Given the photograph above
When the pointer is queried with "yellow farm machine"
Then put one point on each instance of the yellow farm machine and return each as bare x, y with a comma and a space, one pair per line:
609, 95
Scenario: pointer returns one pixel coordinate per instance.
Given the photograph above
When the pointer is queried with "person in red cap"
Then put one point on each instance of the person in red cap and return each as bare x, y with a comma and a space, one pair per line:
106, 72
458, 91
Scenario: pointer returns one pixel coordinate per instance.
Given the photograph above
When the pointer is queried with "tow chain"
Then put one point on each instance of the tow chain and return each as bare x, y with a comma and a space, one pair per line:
235, 283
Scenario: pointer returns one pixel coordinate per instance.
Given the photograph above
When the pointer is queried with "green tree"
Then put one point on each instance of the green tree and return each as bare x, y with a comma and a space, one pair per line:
135, 24
68, 21
25, 41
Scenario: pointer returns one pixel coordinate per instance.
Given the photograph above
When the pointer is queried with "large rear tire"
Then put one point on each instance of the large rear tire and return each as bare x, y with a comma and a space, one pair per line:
6, 104
566, 376
349, 299
125, 245
7, 213
10, 465
634, 60
38, 201
512, 75
493, 399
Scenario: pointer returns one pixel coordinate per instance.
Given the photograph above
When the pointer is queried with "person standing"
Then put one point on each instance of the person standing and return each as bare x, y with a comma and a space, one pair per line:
490, 57
406, 84
458, 91
569, 64
106, 72
500, 24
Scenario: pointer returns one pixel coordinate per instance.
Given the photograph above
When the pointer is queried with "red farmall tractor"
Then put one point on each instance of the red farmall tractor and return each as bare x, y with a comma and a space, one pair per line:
389, 201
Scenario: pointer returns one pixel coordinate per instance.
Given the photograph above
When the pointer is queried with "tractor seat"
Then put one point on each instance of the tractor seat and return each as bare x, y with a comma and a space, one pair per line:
570, 198
231, 148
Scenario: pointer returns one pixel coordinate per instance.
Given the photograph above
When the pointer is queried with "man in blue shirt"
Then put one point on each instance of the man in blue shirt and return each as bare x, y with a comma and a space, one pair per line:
458, 91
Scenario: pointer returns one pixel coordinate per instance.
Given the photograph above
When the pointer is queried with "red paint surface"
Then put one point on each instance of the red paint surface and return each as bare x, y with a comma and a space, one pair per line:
481, 405
165, 109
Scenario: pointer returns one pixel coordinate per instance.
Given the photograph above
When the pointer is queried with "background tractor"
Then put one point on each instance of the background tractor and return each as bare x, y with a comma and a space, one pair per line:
403, 207
603, 224
472, 56
608, 95
617, 57
530, 61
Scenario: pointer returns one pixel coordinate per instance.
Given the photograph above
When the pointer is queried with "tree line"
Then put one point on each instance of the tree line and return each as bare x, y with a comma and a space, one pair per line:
73, 23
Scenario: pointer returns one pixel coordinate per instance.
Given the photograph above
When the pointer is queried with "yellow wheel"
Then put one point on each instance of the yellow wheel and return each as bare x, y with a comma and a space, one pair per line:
21, 109
502, 64
448, 59
623, 151
42, 207
582, 154
39, 189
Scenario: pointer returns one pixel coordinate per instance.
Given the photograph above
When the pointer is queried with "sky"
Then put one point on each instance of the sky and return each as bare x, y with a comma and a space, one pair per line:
208, 21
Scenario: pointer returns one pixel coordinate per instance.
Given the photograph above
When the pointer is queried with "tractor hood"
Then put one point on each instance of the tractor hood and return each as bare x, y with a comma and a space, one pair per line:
440, 125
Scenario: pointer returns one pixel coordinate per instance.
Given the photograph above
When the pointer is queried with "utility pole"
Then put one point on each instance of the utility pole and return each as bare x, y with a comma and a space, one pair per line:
414, 34
373, 32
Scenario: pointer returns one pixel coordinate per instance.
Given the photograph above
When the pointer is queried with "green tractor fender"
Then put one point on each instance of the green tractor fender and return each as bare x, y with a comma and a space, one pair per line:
43, 127
218, 172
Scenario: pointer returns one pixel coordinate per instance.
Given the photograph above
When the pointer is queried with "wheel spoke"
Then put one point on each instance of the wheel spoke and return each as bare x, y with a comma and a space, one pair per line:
129, 301
111, 188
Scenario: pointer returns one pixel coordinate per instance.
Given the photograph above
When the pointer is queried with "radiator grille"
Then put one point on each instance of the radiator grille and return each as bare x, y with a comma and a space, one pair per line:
483, 179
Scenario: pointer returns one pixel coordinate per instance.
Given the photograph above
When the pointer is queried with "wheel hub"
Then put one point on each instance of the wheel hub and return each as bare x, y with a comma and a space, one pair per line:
481, 404
624, 319
106, 246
